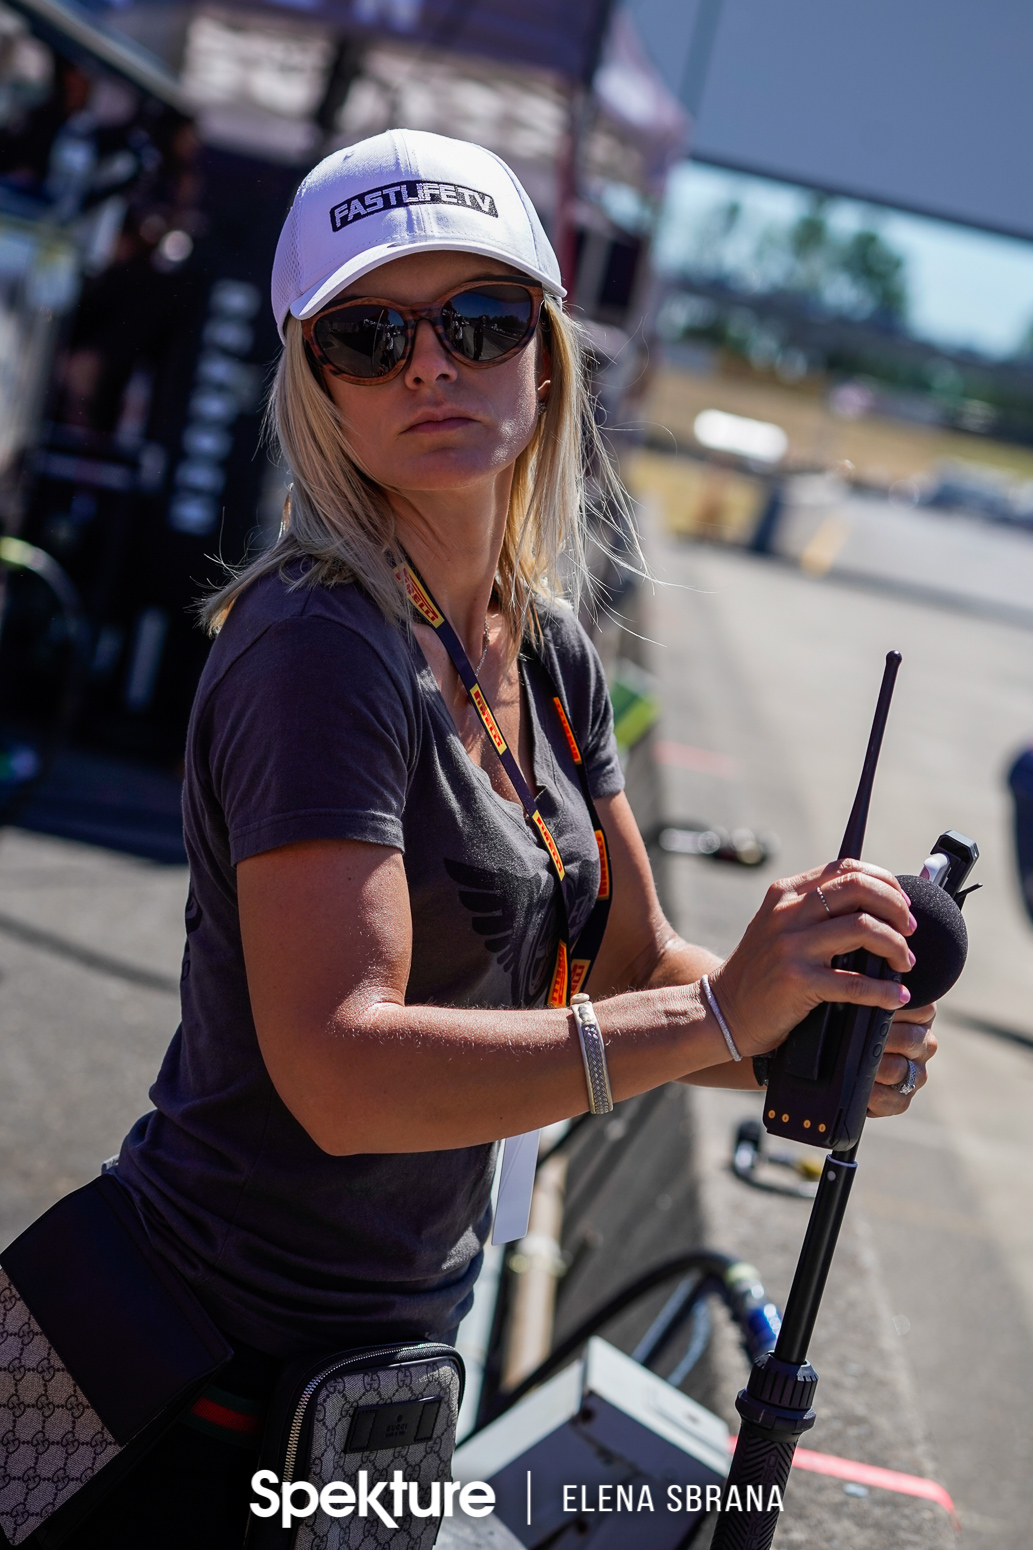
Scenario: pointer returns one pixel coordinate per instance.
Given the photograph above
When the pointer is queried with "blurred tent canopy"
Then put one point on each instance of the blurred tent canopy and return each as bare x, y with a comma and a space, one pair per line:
564, 36
289, 82
920, 104
79, 35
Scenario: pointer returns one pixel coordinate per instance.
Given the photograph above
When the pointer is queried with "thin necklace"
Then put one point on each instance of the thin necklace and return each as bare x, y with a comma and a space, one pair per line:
487, 643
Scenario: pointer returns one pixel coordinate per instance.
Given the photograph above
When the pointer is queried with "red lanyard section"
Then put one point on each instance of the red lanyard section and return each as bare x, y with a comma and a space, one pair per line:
573, 961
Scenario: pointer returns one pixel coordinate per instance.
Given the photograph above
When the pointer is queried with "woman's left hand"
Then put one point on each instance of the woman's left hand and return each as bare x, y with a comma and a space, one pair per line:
910, 1038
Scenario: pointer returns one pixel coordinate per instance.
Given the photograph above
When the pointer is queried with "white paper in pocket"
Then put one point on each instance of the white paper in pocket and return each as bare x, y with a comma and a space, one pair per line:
516, 1183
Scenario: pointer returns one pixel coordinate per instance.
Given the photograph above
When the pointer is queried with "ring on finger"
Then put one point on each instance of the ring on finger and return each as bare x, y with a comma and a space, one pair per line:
824, 901
910, 1082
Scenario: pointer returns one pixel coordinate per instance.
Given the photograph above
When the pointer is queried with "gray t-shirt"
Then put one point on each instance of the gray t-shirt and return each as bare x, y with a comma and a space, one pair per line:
315, 718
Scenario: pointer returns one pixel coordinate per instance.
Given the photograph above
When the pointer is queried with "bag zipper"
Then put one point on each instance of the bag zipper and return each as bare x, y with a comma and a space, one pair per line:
362, 1358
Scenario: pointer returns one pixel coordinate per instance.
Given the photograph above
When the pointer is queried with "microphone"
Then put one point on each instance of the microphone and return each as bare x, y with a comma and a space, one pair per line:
822, 1077
938, 894
939, 942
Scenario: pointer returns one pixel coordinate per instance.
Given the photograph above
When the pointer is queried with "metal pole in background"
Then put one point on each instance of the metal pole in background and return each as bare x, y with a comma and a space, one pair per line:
564, 233
697, 60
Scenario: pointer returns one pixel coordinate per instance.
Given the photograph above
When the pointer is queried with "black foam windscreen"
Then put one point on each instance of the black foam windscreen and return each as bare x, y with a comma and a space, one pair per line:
939, 943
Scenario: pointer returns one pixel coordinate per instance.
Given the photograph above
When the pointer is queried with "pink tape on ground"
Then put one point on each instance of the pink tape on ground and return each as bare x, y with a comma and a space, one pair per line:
869, 1474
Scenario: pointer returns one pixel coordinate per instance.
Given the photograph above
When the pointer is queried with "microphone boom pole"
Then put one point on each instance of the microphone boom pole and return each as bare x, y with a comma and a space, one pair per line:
775, 1405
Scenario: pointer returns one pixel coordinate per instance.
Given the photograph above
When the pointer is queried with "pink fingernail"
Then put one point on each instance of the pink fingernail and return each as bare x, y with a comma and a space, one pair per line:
911, 956
904, 994
912, 922
907, 899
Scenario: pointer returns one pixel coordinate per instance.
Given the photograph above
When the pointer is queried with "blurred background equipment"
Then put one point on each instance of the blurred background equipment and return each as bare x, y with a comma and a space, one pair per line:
1020, 782
45, 638
142, 458
758, 1164
741, 846
622, 1434
148, 155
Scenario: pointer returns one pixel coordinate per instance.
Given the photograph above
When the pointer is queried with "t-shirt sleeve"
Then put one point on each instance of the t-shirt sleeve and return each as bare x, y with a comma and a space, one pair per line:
575, 662
605, 776
311, 736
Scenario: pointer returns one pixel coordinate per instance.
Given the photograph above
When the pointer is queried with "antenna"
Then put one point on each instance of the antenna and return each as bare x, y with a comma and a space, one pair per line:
853, 839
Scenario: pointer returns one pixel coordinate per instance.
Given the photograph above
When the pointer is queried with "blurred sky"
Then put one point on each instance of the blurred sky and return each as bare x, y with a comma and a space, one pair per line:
919, 103
922, 104
966, 288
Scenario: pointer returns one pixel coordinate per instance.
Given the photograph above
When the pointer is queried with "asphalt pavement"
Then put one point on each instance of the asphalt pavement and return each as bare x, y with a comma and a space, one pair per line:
90, 944
768, 679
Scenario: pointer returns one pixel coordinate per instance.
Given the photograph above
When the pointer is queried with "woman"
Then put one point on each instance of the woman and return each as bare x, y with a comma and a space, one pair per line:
375, 980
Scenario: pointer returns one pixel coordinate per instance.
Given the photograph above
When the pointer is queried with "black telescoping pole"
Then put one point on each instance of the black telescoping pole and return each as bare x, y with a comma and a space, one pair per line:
815, 1260
775, 1405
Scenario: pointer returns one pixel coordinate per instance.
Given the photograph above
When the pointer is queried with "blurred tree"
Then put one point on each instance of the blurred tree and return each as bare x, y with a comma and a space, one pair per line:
814, 250
853, 272
877, 273
857, 273
714, 236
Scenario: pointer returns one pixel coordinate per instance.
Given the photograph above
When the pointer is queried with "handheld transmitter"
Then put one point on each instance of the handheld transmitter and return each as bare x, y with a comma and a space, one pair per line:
821, 1076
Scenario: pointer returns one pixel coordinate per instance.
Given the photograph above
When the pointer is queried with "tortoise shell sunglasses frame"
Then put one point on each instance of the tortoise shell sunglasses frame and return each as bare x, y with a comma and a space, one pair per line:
397, 334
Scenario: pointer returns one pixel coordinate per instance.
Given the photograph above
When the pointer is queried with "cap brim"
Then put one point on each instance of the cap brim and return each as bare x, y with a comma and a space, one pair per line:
316, 297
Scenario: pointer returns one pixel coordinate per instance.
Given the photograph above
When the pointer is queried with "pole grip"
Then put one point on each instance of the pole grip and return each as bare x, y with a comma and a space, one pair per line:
776, 1410
762, 1461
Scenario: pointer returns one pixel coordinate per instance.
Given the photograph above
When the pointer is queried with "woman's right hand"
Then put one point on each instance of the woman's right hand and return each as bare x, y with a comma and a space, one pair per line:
783, 965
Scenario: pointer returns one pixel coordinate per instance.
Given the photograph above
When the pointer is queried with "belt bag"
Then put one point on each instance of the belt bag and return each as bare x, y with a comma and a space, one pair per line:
356, 1418
102, 1346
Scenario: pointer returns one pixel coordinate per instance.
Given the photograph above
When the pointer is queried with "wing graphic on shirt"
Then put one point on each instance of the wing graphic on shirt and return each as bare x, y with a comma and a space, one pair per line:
517, 917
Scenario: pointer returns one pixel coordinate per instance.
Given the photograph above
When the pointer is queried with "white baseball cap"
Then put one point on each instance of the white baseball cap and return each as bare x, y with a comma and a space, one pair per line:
394, 194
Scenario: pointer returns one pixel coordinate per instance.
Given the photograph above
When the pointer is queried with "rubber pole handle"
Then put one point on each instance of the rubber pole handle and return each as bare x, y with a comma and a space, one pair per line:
760, 1461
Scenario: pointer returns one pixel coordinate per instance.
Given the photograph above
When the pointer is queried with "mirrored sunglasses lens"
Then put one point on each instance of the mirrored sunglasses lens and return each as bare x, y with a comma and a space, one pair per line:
483, 324
362, 341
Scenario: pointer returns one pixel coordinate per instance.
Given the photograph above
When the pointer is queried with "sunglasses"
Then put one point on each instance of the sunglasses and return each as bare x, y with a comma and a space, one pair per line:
481, 323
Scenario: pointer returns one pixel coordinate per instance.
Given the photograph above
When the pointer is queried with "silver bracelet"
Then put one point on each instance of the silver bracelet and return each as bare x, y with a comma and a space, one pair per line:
712, 1001
593, 1053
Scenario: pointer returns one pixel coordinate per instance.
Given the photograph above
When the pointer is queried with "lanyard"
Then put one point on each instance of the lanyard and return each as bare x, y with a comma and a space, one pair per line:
573, 960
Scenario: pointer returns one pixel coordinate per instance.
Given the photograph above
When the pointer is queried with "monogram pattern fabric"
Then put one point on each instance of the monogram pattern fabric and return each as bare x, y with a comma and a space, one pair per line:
51, 1440
423, 1462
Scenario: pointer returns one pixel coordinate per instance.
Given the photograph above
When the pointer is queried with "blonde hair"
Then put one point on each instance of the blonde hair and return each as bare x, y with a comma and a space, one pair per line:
340, 521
